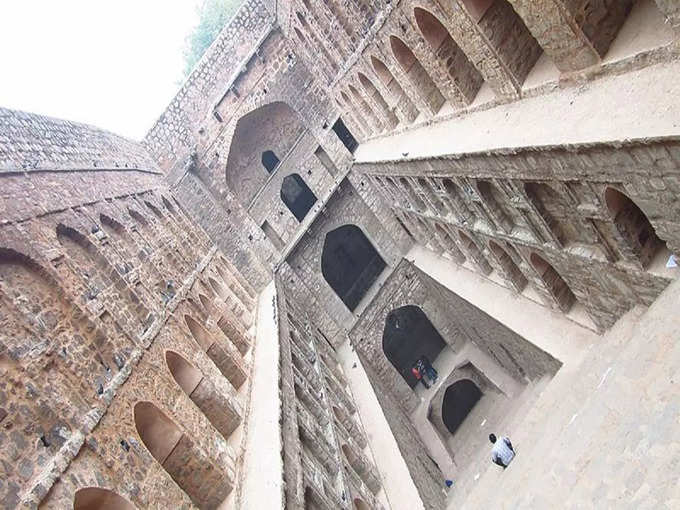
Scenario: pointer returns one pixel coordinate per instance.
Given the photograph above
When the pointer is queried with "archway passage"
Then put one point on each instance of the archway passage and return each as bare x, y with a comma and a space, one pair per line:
554, 283
511, 270
634, 226
228, 361
345, 136
459, 400
94, 498
270, 161
350, 264
203, 482
297, 196
408, 335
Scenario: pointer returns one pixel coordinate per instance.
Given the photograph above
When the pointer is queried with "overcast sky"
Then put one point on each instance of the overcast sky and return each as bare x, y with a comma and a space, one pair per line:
111, 63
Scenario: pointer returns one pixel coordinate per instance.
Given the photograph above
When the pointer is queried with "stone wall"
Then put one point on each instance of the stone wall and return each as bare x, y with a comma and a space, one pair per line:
549, 201
99, 271
325, 464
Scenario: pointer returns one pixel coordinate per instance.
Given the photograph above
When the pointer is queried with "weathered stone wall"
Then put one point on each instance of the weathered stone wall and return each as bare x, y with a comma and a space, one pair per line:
345, 207
174, 135
99, 268
549, 201
323, 442
460, 324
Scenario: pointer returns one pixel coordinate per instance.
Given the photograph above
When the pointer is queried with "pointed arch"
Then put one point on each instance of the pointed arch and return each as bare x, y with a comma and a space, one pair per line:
227, 361
633, 227
204, 482
350, 264
219, 411
297, 196
510, 269
465, 77
374, 93
408, 335
420, 79
555, 285
366, 109
459, 400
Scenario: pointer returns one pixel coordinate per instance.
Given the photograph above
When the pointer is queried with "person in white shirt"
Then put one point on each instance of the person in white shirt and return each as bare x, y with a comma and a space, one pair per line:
502, 452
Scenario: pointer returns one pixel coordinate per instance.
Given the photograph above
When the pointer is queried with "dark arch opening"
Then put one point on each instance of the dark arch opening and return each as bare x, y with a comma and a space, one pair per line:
345, 136
417, 74
634, 226
557, 287
350, 264
270, 161
168, 205
459, 400
408, 335
95, 498
154, 209
297, 196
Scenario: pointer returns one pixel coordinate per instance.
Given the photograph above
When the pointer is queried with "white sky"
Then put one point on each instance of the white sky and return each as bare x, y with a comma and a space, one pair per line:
111, 63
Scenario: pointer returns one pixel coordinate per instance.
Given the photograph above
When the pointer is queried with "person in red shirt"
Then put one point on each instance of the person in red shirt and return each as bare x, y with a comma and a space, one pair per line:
419, 376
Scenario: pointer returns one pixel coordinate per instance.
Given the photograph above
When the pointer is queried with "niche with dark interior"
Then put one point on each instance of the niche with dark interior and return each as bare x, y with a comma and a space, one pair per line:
345, 135
297, 196
350, 264
408, 335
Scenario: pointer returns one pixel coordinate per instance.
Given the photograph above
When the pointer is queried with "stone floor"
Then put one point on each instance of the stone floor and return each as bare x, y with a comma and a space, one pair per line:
605, 432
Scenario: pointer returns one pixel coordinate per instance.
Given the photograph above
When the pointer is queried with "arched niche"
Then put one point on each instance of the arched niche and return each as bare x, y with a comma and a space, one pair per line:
95, 498
511, 270
85, 255
463, 74
459, 399
297, 196
374, 93
402, 101
203, 393
206, 484
227, 361
412, 194
554, 283
270, 161
408, 334
420, 79
273, 128
474, 253
350, 264
634, 227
